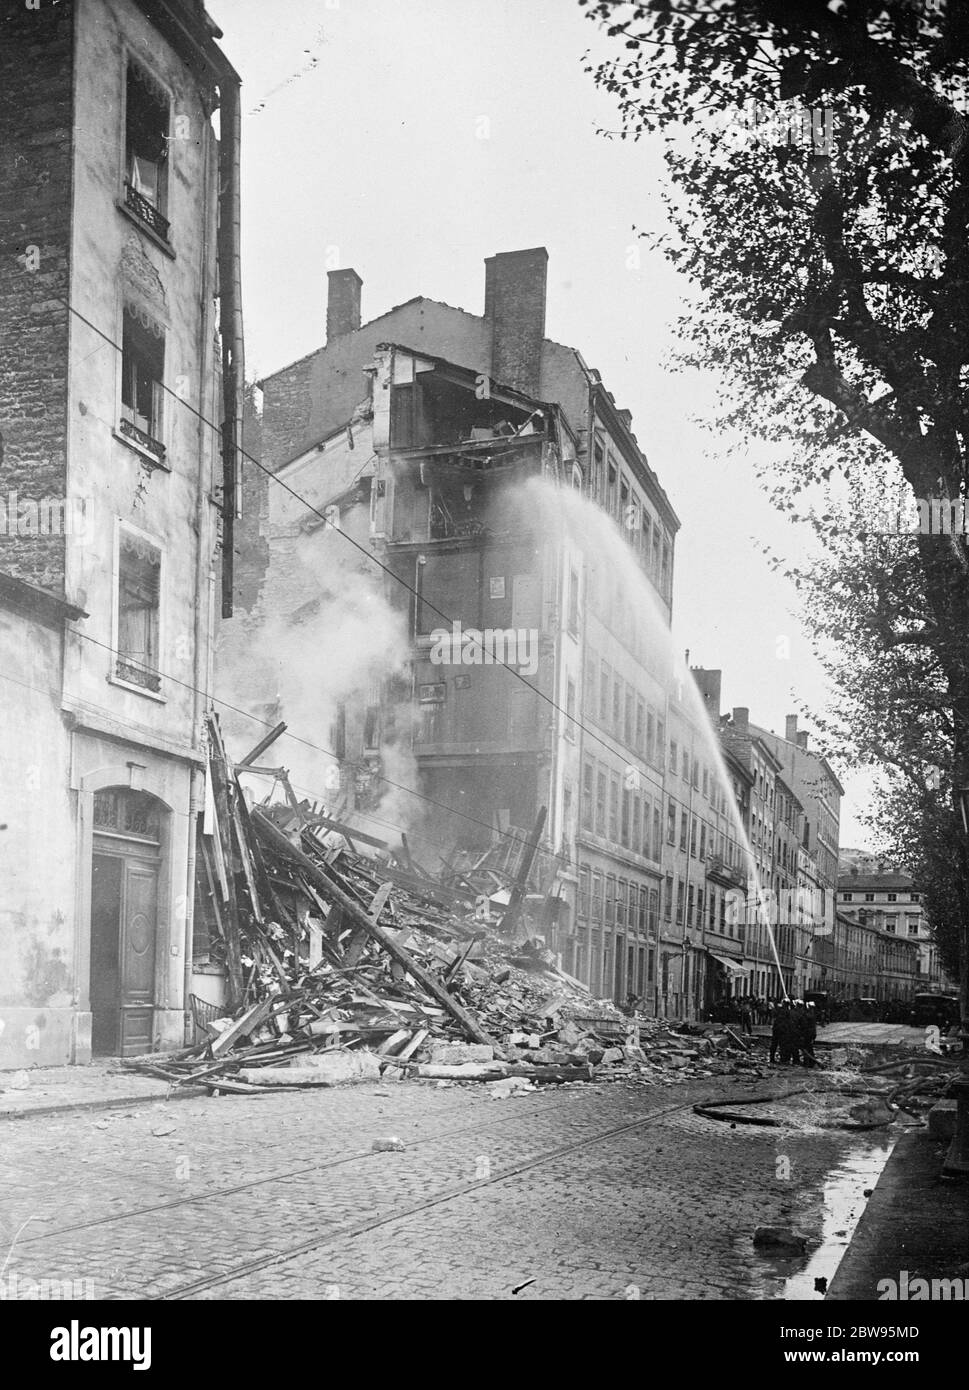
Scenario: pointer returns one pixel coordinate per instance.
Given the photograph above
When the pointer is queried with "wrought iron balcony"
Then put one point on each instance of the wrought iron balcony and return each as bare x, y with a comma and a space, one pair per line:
143, 440
146, 211
134, 674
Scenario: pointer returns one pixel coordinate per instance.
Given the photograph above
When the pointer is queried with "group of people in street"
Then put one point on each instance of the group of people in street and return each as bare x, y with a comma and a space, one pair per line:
793, 1032
745, 1009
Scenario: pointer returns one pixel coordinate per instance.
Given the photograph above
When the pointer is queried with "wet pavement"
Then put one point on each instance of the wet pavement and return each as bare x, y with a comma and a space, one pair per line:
589, 1191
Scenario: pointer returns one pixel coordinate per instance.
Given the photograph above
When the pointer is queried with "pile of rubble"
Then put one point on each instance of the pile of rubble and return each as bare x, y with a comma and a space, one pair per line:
346, 967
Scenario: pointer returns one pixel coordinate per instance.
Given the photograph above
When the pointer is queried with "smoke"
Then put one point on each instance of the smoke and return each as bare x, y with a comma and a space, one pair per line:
323, 645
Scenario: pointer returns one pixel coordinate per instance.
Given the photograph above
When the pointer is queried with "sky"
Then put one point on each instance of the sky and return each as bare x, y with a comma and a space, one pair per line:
410, 139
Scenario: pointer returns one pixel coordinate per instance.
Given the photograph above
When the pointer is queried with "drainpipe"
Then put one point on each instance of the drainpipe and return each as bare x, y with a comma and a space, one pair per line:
230, 321
204, 634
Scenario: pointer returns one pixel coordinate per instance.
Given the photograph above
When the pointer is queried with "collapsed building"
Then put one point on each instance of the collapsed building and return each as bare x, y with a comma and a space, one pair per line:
410, 441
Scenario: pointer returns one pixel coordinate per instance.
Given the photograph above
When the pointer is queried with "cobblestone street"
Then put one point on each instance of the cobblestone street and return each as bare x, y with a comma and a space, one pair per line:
605, 1192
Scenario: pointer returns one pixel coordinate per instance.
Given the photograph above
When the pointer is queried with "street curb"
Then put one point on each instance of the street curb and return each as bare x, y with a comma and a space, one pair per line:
915, 1220
114, 1103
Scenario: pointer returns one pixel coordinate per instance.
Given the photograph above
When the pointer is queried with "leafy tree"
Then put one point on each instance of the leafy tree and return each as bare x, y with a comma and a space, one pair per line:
818, 202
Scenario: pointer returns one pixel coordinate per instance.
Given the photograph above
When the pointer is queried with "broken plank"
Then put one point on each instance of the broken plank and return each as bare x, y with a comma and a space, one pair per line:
321, 881
250, 1019
394, 1041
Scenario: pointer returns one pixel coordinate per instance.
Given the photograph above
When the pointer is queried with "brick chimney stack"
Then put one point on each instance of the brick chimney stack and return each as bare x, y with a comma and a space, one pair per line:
802, 740
790, 728
709, 683
741, 718
342, 303
515, 285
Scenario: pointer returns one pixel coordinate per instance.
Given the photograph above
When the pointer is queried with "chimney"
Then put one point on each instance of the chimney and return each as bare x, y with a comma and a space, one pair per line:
515, 283
802, 740
342, 303
708, 683
854, 871
741, 718
790, 728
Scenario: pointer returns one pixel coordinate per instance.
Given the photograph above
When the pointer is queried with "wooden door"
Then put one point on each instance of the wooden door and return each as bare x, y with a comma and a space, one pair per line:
124, 920
139, 923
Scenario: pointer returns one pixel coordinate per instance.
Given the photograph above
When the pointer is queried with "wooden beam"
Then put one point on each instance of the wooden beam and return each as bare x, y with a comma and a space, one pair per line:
262, 745
268, 833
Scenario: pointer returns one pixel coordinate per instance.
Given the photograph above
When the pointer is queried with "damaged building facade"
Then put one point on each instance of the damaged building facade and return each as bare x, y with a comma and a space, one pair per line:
472, 669
111, 359
465, 411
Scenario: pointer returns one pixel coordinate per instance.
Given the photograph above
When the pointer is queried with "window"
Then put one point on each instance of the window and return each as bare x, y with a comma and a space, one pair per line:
570, 711
622, 894
847, 897
660, 741
916, 897
142, 373
614, 808
625, 816
601, 803
671, 822
685, 769
668, 904
617, 704
869, 897
371, 727
146, 149
604, 695
573, 602
610, 900
893, 897
890, 924
596, 895
589, 690
672, 755
139, 569
583, 903
657, 838
684, 825
703, 840
637, 821
690, 895
693, 836
628, 716
680, 893
588, 780
643, 745
912, 927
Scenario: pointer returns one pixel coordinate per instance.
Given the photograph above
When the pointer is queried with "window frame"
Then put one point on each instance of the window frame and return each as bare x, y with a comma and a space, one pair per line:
132, 58
121, 527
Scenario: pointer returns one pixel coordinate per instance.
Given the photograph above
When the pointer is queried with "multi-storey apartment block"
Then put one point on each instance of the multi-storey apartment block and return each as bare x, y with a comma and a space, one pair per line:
119, 219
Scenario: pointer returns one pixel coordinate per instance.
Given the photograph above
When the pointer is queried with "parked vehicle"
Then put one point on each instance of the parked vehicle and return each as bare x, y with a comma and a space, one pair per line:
942, 1010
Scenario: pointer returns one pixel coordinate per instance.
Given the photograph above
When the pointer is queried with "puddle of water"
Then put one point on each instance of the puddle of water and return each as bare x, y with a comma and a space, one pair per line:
842, 1203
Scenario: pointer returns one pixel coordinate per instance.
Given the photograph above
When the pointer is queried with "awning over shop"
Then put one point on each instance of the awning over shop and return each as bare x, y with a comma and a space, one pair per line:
733, 966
